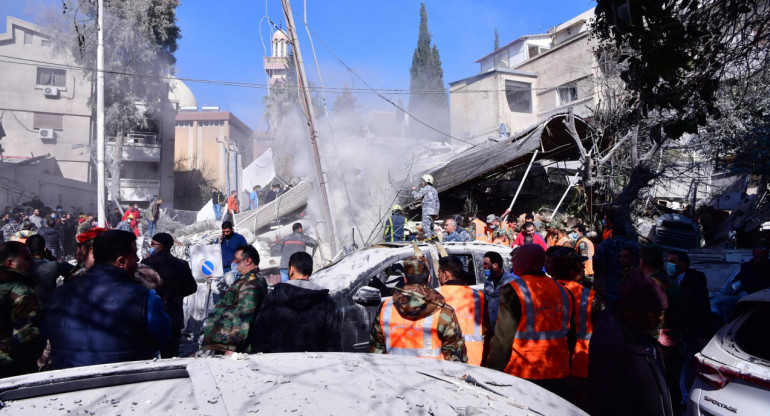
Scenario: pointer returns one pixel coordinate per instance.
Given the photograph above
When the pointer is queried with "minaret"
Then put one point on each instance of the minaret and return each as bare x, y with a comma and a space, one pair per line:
277, 65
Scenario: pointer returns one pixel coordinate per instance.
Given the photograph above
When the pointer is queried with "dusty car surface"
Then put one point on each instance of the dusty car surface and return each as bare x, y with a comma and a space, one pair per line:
734, 367
361, 280
272, 384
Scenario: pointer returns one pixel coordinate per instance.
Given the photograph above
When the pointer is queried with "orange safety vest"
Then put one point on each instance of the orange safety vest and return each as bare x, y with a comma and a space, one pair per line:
564, 241
481, 231
540, 349
584, 299
469, 308
589, 265
551, 239
503, 241
411, 338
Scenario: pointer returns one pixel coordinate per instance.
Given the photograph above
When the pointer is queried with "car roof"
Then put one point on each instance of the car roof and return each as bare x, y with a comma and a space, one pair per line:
301, 383
760, 296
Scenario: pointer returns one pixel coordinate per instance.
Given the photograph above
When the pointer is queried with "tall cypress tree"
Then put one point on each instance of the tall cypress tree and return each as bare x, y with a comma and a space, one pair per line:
428, 100
497, 40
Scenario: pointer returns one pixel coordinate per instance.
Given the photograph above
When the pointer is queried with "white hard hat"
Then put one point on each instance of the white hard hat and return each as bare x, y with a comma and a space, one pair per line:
427, 179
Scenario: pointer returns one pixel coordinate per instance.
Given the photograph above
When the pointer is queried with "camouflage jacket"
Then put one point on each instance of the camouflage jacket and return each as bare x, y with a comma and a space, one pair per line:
20, 341
10, 229
227, 326
418, 302
429, 195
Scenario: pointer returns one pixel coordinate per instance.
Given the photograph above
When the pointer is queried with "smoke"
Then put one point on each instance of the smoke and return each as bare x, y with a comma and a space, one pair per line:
369, 163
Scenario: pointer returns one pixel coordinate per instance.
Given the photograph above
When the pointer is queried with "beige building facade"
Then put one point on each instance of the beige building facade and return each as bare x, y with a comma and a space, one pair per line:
526, 82
50, 129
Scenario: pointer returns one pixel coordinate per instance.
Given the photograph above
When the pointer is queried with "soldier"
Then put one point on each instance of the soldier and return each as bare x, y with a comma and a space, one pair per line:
227, 327
403, 321
20, 341
430, 204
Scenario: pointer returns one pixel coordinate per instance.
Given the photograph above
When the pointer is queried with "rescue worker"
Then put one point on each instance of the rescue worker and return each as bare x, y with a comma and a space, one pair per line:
584, 247
529, 345
394, 229
469, 307
403, 322
479, 229
566, 267
430, 204
563, 239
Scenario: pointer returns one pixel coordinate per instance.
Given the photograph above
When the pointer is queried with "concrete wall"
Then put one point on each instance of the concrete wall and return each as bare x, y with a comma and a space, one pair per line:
22, 97
18, 184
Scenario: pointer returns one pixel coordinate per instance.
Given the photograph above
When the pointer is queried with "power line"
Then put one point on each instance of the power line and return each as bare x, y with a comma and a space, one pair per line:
332, 90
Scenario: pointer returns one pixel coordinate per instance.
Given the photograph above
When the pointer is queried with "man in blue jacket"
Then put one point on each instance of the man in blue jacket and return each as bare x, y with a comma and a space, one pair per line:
230, 241
106, 317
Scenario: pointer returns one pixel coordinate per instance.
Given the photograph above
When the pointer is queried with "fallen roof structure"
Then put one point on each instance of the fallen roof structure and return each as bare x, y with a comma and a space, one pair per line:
294, 199
550, 137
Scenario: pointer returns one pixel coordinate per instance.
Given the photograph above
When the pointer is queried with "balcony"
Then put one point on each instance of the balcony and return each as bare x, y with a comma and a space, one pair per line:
138, 147
137, 189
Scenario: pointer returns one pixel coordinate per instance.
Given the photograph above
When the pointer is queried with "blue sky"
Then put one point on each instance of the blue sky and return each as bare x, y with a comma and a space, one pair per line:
221, 41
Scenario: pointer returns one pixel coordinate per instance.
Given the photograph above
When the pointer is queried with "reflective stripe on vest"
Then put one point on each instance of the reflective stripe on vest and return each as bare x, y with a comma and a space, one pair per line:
427, 350
584, 299
389, 230
589, 265
529, 309
478, 309
481, 230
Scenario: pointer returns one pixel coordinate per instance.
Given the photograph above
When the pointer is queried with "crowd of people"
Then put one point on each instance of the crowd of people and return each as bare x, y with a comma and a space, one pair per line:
622, 343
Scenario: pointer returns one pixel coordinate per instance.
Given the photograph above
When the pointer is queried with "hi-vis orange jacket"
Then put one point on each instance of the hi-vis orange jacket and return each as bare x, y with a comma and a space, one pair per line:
469, 308
411, 338
481, 231
584, 298
540, 349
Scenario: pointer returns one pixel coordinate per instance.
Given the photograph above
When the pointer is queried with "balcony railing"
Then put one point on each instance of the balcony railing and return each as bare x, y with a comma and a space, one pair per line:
138, 147
137, 139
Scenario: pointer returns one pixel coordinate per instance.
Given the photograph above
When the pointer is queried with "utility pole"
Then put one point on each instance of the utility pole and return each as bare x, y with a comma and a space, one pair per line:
308, 106
100, 196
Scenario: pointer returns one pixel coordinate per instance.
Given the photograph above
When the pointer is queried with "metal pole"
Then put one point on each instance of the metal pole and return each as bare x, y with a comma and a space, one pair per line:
100, 191
510, 207
569, 186
307, 102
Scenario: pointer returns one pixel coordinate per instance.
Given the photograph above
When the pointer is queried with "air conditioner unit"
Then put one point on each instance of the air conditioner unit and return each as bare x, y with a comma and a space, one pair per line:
51, 91
46, 134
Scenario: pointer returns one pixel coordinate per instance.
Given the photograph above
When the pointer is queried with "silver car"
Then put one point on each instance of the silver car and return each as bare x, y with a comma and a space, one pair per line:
276, 384
734, 367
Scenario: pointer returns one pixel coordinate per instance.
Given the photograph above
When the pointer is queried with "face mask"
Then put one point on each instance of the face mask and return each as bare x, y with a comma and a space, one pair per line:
670, 268
573, 236
234, 267
53, 215
151, 250
487, 273
604, 223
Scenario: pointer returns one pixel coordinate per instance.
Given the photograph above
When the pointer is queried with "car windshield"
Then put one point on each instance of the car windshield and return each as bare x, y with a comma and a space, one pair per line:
751, 337
343, 273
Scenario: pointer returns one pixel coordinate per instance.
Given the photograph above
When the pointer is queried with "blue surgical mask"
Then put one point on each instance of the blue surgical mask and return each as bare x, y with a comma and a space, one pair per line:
234, 267
151, 250
53, 215
487, 273
573, 236
670, 268
604, 223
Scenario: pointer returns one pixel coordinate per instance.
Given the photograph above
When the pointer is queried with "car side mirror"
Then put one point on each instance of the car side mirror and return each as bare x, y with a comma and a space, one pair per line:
367, 296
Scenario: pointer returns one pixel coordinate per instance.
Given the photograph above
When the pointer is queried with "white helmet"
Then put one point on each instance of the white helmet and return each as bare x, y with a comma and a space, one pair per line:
427, 179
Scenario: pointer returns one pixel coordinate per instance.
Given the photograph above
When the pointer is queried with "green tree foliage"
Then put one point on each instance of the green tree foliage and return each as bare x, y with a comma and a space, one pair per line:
428, 101
140, 38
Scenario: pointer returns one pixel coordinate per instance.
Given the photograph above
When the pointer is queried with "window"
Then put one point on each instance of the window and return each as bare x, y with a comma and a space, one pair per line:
45, 43
567, 94
51, 77
48, 121
28, 38
751, 337
519, 96
211, 123
184, 123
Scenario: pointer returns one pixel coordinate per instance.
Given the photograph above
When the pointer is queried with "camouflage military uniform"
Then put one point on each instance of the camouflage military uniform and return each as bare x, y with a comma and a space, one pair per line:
418, 301
10, 229
227, 326
430, 207
20, 341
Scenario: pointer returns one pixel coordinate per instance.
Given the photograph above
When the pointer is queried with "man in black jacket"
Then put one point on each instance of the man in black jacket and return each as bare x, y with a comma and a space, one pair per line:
178, 282
298, 315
